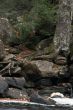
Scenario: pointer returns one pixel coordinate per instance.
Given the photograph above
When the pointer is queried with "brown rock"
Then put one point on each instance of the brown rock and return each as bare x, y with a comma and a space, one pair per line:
31, 72
47, 68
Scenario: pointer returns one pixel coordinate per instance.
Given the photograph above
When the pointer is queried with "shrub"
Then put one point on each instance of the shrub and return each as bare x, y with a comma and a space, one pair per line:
38, 23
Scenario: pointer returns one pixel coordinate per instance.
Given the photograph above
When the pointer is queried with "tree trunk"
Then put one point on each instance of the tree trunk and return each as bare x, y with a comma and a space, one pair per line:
2, 50
63, 28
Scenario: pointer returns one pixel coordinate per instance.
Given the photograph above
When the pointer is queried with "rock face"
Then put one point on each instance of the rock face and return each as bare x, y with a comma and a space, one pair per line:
63, 29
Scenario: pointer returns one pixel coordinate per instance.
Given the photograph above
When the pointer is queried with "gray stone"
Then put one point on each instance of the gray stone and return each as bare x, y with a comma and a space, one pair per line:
3, 85
16, 93
16, 82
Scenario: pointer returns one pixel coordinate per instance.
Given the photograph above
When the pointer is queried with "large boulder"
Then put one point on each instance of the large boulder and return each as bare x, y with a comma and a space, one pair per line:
45, 67
48, 69
16, 82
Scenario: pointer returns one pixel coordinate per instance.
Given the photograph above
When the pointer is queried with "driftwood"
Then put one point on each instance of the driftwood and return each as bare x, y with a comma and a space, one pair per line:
10, 67
5, 68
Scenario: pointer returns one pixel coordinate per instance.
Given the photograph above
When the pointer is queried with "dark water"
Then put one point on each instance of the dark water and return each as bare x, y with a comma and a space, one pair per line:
36, 108
32, 107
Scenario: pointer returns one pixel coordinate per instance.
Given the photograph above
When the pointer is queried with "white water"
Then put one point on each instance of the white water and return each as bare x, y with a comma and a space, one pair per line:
63, 101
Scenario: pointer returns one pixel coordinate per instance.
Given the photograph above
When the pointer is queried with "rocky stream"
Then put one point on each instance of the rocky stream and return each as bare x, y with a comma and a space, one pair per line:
35, 80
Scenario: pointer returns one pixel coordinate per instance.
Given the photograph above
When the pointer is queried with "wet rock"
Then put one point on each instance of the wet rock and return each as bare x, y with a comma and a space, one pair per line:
3, 85
16, 93
16, 82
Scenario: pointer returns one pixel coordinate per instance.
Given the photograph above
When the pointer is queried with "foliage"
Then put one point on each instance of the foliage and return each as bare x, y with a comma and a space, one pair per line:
38, 23
33, 20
